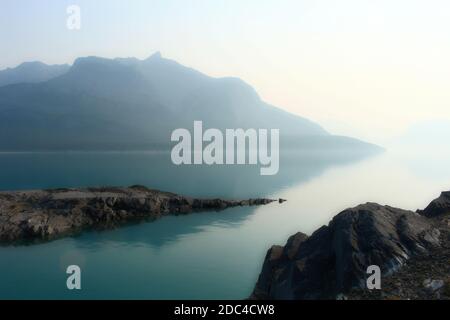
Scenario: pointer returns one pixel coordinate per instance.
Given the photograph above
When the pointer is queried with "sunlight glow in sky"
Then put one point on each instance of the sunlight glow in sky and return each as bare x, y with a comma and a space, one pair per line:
363, 68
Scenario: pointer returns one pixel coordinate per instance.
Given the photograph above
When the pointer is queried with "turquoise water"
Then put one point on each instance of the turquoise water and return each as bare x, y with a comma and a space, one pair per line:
213, 255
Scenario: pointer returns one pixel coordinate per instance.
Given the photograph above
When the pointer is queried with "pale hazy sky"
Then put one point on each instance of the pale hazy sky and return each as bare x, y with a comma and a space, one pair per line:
363, 68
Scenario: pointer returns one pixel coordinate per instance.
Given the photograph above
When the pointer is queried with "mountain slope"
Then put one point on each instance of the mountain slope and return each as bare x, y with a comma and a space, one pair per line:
31, 72
124, 104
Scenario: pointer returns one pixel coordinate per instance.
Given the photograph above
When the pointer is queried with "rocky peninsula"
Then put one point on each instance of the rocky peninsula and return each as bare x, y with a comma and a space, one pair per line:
412, 250
43, 215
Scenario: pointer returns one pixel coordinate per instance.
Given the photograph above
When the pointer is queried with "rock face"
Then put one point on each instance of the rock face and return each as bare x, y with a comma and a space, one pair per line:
49, 214
335, 258
438, 206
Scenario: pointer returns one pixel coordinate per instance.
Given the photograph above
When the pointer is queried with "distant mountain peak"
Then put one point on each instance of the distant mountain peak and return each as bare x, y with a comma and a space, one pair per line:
132, 103
31, 72
89, 60
156, 55
31, 64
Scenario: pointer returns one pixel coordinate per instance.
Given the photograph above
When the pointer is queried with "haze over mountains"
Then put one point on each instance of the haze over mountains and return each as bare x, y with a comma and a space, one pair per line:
129, 104
31, 72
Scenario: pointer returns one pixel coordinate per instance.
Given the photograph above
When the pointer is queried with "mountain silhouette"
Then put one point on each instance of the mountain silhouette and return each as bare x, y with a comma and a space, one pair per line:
31, 72
131, 104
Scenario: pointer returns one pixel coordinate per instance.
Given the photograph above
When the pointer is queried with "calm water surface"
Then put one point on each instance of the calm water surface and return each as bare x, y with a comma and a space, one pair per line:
214, 255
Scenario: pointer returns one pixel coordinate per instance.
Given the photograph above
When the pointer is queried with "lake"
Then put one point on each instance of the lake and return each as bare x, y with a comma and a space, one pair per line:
211, 255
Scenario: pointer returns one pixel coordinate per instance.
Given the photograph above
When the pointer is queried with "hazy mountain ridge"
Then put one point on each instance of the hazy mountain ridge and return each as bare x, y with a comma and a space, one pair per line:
126, 103
31, 72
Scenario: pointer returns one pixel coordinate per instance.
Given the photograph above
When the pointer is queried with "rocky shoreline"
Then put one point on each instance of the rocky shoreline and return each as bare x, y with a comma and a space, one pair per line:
44, 215
412, 250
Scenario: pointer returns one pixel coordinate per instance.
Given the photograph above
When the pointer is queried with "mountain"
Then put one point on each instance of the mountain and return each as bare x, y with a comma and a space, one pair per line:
123, 104
31, 72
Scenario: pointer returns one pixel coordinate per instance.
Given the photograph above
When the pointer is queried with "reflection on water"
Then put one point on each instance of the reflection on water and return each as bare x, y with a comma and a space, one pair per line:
204, 255
77, 169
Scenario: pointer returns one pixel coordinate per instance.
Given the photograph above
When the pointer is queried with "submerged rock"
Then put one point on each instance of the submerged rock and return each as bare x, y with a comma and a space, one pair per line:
334, 259
49, 214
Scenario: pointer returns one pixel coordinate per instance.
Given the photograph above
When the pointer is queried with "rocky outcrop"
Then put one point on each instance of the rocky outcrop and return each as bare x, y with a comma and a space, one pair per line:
49, 214
437, 207
334, 259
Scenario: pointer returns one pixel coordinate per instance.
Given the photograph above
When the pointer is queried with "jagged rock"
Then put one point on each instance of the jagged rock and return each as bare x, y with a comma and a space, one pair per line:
334, 259
438, 206
49, 214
